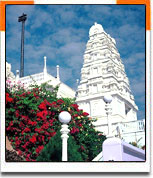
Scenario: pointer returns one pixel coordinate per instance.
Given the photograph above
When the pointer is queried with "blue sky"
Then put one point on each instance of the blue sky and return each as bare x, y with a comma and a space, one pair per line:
60, 32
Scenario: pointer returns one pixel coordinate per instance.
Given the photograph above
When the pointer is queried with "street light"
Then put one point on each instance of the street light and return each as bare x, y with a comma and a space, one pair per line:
22, 19
108, 99
64, 117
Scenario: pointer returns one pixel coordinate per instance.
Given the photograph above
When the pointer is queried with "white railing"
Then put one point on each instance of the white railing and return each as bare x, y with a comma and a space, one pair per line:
132, 126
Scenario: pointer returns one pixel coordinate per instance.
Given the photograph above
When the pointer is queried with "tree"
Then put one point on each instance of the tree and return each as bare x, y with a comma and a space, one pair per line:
32, 122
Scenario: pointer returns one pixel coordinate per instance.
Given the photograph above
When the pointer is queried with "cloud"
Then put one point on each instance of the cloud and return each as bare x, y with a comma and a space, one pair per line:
41, 18
71, 48
14, 11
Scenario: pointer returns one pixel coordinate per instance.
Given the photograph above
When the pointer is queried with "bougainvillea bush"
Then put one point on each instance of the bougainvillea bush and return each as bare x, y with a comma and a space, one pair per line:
32, 120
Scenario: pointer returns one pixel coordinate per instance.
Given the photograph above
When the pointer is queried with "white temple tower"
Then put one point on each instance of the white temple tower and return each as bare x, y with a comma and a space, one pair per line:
103, 73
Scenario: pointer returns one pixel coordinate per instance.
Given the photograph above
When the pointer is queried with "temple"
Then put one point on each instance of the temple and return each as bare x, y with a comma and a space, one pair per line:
103, 73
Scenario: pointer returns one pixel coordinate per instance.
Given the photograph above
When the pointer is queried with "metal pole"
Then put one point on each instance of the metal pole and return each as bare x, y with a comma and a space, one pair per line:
22, 51
22, 19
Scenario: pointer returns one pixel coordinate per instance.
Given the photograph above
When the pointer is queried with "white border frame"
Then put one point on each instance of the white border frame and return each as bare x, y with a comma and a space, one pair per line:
76, 166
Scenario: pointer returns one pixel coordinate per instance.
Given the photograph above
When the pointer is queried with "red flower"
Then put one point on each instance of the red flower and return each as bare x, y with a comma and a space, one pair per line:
60, 101
25, 145
8, 99
42, 106
18, 142
19, 152
45, 126
23, 94
46, 133
27, 159
25, 130
25, 118
34, 94
80, 125
8, 128
33, 123
51, 122
11, 123
49, 112
53, 102
41, 138
39, 148
28, 92
33, 139
75, 106
17, 113
45, 112
76, 115
85, 114
39, 130
74, 130
52, 134
42, 114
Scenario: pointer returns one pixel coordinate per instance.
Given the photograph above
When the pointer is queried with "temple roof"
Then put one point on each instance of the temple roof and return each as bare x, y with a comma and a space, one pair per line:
96, 28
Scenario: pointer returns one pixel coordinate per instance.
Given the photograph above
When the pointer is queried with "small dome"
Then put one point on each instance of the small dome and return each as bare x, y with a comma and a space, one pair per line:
96, 28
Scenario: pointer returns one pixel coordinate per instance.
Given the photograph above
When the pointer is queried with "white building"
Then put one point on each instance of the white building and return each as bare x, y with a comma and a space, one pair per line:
9, 73
103, 73
43, 77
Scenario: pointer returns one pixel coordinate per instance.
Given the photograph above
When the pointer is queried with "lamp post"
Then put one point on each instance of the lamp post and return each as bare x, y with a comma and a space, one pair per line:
64, 117
22, 19
108, 99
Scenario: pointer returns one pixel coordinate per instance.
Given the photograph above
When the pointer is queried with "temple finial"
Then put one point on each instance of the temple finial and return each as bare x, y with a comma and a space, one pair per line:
57, 76
45, 68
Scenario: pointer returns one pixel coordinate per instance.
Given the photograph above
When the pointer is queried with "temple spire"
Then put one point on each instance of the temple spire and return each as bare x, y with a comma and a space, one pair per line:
58, 76
45, 68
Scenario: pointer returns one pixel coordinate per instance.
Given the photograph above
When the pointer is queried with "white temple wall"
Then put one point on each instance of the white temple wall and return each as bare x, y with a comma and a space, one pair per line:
130, 115
85, 106
97, 107
118, 107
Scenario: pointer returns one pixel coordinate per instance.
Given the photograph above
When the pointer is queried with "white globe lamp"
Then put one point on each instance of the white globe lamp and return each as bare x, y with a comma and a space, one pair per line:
108, 99
64, 117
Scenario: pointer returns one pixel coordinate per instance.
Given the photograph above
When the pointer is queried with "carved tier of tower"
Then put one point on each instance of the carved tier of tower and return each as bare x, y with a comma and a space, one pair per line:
103, 73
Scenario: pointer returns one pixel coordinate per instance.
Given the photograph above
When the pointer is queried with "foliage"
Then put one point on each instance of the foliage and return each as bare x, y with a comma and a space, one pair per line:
53, 150
32, 120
